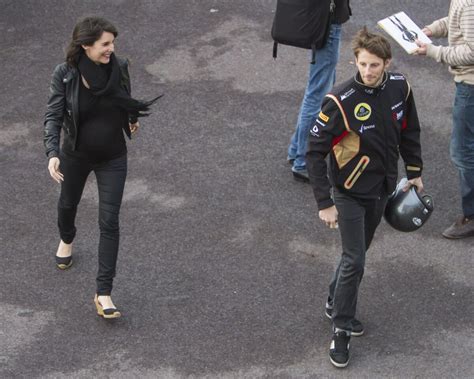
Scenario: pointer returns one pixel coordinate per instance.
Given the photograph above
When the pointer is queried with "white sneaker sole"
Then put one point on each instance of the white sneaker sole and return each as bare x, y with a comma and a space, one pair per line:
339, 365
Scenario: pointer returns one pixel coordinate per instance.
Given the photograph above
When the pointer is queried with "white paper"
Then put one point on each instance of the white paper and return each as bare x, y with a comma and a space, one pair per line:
404, 31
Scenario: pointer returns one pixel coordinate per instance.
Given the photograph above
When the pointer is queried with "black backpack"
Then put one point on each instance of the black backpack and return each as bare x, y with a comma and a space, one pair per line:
302, 23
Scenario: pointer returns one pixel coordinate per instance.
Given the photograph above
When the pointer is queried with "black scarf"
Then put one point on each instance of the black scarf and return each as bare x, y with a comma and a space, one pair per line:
105, 80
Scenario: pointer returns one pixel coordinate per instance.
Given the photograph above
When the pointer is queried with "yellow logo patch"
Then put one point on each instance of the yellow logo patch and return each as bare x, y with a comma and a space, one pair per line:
362, 111
323, 117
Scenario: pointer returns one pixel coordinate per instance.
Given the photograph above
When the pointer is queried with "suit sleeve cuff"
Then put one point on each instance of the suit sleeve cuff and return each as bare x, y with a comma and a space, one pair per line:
52, 154
326, 203
413, 172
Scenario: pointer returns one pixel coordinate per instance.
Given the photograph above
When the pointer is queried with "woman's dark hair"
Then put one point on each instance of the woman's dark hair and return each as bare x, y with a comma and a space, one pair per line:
374, 43
86, 32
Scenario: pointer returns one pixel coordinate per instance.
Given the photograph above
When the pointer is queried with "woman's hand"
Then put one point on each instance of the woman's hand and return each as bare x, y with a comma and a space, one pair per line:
427, 31
134, 127
53, 167
329, 216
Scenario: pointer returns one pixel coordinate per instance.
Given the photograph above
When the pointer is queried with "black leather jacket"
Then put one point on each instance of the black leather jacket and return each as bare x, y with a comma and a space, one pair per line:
63, 107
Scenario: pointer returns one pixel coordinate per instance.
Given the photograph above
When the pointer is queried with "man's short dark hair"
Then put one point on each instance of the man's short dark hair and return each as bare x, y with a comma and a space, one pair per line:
374, 43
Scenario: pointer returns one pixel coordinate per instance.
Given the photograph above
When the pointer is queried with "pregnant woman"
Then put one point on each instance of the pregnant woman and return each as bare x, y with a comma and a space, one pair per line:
90, 102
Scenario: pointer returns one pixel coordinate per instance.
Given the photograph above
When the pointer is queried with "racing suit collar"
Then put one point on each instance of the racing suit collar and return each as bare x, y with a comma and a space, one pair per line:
372, 91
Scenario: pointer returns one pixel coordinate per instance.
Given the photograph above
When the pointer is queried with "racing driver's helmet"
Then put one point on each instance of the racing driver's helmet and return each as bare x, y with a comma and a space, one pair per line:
408, 211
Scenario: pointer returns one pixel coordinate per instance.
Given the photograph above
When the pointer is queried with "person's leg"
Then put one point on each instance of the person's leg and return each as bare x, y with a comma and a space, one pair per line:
322, 76
462, 155
332, 287
467, 192
357, 326
351, 268
293, 146
462, 144
111, 177
374, 210
75, 173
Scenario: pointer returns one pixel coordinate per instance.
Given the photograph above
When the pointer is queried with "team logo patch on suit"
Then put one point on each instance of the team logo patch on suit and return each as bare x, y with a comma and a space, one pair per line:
347, 94
363, 128
323, 117
397, 105
397, 77
320, 123
362, 111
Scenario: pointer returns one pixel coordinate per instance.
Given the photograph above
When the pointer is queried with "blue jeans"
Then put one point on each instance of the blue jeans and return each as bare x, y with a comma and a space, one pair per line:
462, 144
322, 76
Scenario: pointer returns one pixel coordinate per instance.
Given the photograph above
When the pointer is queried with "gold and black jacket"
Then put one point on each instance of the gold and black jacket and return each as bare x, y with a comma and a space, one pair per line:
364, 130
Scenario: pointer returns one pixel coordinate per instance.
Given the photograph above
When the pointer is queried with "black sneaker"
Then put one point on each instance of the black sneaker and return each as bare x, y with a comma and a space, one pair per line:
339, 350
357, 327
301, 175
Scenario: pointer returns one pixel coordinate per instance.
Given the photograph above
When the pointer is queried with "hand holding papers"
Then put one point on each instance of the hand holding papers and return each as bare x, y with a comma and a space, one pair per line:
404, 31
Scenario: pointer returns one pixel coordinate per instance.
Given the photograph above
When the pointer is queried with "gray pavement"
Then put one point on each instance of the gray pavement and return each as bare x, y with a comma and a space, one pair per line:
223, 267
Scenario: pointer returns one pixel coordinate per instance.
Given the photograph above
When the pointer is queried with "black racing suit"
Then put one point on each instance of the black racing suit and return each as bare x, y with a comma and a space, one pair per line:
363, 129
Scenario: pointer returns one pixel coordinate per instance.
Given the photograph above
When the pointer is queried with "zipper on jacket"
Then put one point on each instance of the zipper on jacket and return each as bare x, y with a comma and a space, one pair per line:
384, 127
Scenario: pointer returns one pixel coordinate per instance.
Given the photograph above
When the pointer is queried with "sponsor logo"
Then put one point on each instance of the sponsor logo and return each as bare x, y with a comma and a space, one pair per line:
323, 117
362, 111
347, 94
315, 131
417, 221
397, 105
321, 123
397, 77
370, 91
363, 128
397, 116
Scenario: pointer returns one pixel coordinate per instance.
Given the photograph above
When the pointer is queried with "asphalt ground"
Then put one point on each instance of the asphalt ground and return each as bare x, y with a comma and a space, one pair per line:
223, 266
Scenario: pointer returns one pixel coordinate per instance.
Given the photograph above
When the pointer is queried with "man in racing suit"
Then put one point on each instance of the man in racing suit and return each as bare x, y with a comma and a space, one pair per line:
364, 124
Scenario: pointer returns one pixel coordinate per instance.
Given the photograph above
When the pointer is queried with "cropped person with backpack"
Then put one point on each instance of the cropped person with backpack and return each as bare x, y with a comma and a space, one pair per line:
322, 75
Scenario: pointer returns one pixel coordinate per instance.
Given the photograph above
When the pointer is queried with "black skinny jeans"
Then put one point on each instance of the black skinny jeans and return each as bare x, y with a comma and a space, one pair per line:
111, 177
357, 219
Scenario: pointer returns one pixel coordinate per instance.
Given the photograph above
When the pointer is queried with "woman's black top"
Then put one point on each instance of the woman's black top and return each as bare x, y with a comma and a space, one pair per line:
100, 134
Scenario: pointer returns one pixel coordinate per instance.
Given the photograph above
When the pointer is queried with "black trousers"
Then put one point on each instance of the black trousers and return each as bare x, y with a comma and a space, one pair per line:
358, 219
110, 177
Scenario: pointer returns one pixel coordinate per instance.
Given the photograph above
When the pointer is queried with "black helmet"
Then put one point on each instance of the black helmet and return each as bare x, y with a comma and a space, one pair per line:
407, 211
